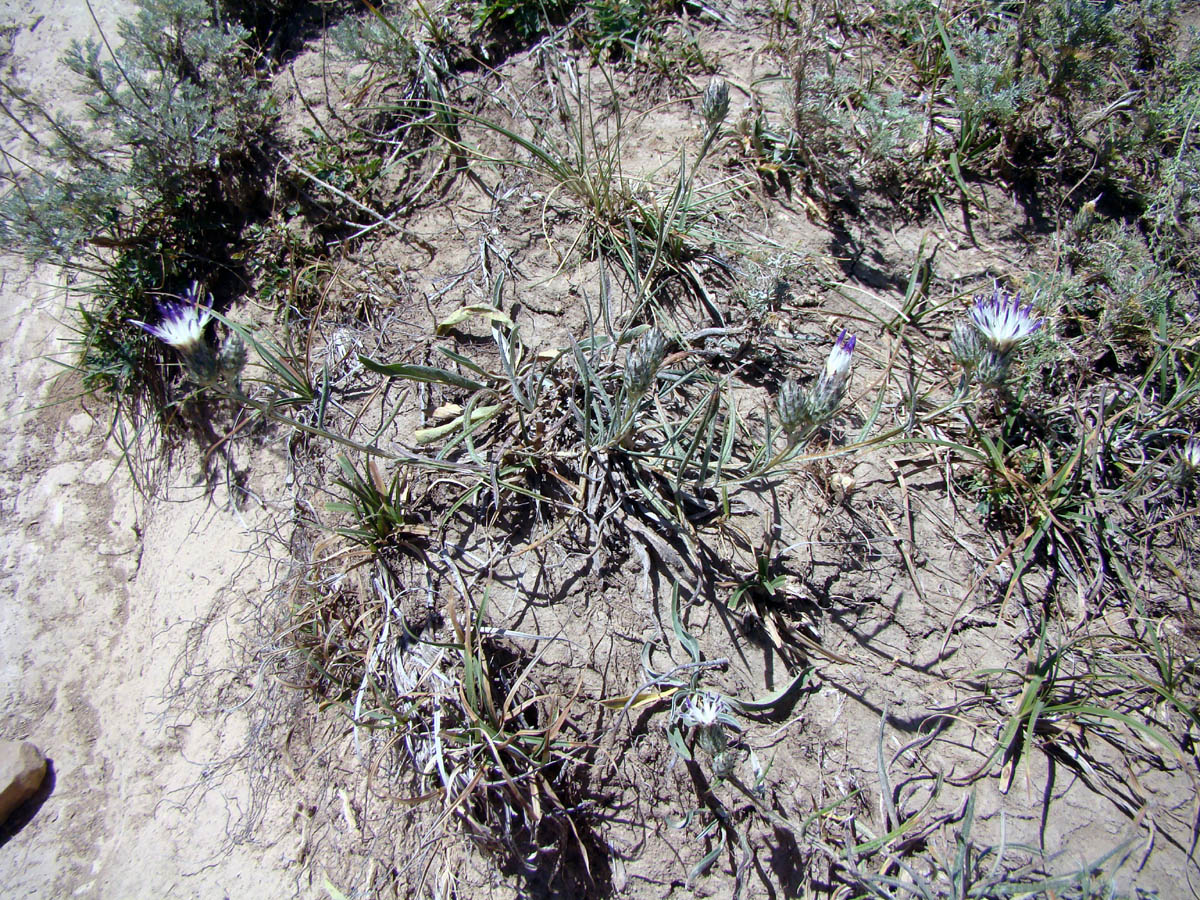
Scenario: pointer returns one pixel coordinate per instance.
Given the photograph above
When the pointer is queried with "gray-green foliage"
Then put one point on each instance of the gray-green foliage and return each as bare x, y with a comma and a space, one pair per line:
383, 40
174, 118
1173, 201
983, 871
990, 89
987, 90
148, 191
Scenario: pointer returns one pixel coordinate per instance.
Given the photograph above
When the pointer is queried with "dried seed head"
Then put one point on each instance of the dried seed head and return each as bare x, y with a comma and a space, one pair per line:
714, 105
643, 362
843, 485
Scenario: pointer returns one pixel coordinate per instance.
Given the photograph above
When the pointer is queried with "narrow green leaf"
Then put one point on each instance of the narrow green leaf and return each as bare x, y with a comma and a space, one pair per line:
426, 374
772, 700
689, 643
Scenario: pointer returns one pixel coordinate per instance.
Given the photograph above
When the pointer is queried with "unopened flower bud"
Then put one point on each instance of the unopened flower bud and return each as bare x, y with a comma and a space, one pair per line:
965, 345
714, 105
232, 358
644, 360
724, 762
792, 405
992, 369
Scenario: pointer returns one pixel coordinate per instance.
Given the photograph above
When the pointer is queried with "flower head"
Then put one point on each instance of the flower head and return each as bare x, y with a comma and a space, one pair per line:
644, 360
991, 370
182, 325
714, 105
1002, 321
1190, 454
795, 412
232, 358
708, 713
801, 409
827, 393
837, 367
966, 346
704, 710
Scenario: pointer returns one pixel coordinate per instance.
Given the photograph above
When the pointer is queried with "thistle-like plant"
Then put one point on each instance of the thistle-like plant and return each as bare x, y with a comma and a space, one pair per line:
182, 326
1001, 320
714, 105
996, 325
803, 410
643, 363
287, 383
709, 715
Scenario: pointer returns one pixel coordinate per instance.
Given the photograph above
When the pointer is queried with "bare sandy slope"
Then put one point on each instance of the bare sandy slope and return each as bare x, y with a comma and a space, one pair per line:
109, 604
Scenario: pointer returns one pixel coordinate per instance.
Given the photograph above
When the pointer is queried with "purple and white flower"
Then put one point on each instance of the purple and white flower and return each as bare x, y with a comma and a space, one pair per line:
1190, 454
801, 410
830, 388
181, 326
704, 710
1002, 321
837, 367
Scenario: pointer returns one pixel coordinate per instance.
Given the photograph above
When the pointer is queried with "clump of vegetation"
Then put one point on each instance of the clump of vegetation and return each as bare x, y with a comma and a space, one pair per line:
975, 91
151, 192
649, 33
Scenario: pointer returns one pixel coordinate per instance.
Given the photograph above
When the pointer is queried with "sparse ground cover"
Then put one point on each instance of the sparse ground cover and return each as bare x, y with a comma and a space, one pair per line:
732, 450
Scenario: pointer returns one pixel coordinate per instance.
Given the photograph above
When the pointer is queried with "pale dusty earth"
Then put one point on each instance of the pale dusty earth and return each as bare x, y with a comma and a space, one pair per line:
126, 625
110, 603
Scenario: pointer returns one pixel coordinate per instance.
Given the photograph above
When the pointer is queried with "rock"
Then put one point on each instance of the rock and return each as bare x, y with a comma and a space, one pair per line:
22, 768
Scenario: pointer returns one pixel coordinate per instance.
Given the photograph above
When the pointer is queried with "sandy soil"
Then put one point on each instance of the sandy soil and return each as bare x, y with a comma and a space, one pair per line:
106, 599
